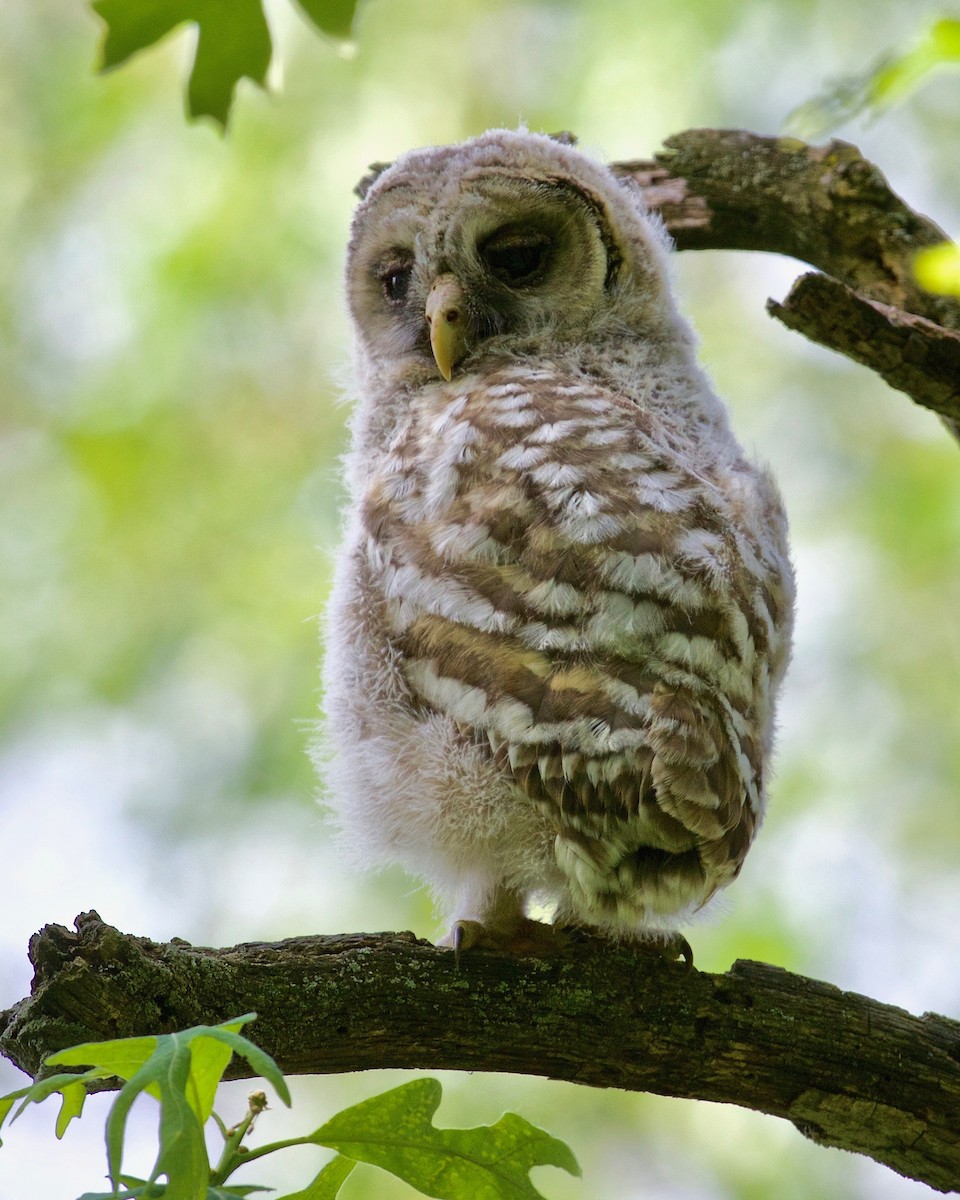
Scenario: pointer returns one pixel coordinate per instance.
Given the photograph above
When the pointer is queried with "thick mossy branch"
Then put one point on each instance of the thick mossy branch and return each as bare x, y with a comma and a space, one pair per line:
846, 1070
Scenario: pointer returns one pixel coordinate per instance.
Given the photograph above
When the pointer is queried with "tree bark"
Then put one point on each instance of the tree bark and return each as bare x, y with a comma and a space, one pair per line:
846, 1070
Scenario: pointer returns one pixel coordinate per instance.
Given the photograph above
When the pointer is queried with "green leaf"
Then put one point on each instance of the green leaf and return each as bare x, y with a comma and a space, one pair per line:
333, 17
8, 1101
395, 1131
259, 1060
182, 1071
74, 1094
211, 1048
242, 1189
327, 1184
209, 1058
901, 74
182, 1155
937, 269
945, 36
122, 1057
233, 43
133, 1194
153, 1191
69, 1084
183, 1150
137, 1189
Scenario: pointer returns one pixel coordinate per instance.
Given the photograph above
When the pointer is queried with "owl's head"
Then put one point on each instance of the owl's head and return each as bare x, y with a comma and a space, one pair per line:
510, 243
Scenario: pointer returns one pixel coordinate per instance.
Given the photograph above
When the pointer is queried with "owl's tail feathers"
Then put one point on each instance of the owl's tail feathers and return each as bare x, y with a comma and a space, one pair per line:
626, 889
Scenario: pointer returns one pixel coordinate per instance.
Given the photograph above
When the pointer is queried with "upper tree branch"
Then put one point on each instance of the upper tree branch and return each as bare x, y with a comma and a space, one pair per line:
911, 353
829, 207
846, 1070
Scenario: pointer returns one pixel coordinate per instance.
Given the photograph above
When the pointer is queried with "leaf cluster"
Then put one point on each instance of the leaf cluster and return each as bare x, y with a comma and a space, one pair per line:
393, 1131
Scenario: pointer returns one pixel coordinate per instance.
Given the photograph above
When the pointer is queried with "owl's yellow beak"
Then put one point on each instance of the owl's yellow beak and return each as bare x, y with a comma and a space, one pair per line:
446, 314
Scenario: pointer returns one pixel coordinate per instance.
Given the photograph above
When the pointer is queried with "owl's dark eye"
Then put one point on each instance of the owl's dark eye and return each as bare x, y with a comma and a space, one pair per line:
395, 281
516, 258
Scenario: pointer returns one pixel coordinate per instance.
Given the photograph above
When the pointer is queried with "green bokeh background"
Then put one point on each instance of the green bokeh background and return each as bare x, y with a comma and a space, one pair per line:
174, 357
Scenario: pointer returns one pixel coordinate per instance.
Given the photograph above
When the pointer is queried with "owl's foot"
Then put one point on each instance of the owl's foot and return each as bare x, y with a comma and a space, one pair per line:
672, 947
522, 937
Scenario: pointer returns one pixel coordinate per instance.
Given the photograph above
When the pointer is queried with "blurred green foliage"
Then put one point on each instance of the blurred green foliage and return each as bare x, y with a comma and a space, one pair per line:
173, 351
886, 82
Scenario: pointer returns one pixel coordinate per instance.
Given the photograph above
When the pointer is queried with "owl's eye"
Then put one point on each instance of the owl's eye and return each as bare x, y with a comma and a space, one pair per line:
516, 258
395, 281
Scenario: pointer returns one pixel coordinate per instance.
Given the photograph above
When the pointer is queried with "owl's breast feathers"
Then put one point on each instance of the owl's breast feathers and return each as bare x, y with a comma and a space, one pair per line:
609, 622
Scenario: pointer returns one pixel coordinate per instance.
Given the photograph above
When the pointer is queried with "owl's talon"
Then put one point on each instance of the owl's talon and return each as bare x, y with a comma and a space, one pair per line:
675, 948
457, 937
464, 936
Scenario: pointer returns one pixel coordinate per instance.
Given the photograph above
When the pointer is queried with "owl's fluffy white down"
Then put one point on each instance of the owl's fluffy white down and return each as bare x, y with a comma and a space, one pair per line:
562, 607
405, 789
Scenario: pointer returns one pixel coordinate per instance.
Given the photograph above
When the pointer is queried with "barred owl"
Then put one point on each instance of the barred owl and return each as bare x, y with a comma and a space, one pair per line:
562, 609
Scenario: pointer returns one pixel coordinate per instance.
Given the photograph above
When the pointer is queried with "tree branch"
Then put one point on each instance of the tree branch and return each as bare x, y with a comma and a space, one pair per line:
829, 207
725, 189
912, 354
847, 1071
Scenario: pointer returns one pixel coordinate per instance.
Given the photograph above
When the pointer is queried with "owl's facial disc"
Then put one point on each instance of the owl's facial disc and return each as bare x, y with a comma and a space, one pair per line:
499, 264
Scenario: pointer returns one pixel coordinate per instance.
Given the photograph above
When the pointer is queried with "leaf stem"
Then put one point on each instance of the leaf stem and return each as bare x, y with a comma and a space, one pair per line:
234, 1155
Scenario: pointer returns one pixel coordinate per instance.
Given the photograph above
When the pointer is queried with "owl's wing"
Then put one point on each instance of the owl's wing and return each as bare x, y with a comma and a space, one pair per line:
602, 617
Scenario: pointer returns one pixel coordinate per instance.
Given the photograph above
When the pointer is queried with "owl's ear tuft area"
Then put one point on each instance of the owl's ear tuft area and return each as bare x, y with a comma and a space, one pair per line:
374, 171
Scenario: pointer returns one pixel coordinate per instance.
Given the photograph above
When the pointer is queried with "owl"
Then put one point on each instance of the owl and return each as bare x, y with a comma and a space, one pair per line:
562, 608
